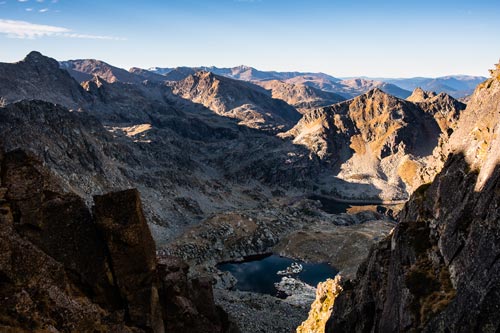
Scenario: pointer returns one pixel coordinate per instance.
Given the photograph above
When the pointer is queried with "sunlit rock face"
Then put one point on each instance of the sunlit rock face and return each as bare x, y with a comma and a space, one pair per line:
302, 97
439, 270
377, 140
322, 306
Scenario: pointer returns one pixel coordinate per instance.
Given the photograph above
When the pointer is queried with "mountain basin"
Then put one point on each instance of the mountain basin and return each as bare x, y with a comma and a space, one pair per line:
259, 273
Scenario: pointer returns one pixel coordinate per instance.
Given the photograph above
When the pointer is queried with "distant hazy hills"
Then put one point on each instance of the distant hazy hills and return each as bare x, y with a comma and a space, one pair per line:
457, 86
244, 73
345, 88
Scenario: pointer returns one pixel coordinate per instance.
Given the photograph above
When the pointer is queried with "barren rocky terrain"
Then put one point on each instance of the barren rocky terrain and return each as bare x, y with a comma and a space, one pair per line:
217, 165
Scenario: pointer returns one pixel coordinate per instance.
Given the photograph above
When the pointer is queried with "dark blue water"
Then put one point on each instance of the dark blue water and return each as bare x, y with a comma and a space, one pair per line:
332, 206
259, 274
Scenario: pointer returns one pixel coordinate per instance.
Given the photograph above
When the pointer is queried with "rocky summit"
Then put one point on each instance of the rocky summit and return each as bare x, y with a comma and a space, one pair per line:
39, 77
126, 194
377, 141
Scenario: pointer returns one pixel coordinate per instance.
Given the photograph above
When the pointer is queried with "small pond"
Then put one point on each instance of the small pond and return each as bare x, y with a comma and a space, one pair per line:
258, 274
333, 206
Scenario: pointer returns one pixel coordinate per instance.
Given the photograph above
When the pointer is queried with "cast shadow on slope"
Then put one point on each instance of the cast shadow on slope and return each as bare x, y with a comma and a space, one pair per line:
439, 270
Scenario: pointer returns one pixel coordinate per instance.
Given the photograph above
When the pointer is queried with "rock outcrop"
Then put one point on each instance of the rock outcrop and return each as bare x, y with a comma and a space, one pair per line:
63, 269
131, 249
439, 271
322, 307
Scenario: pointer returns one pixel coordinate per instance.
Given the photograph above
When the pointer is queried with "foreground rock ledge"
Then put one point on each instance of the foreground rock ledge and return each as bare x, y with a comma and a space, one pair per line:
63, 269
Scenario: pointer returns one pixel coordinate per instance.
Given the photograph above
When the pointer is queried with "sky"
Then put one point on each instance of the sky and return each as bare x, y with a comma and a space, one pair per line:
338, 37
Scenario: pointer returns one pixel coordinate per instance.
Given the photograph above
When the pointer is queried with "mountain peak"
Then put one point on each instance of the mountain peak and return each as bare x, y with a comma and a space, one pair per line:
84, 69
420, 95
243, 68
375, 92
34, 55
495, 73
203, 74
35, 58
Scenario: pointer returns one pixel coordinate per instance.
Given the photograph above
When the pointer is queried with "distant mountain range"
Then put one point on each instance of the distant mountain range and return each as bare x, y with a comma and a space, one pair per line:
345, 88
457, 86
245, 73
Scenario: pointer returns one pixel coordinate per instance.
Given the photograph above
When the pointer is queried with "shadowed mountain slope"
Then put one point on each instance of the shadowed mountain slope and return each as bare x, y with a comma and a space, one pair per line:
39, 77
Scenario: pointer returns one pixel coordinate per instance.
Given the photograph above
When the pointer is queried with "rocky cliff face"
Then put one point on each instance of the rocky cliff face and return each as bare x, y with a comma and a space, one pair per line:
64, 269
375, 139
445, 109
439, 270
321, 308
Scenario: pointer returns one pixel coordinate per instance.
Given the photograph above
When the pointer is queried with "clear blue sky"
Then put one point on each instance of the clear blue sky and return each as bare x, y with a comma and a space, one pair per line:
338, 37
